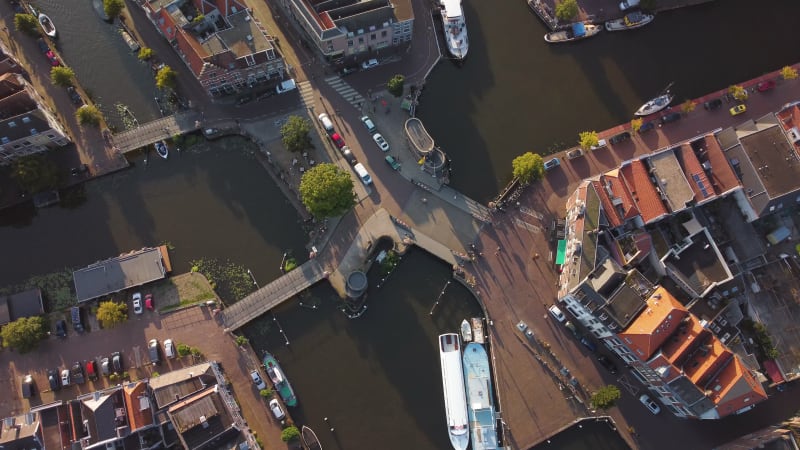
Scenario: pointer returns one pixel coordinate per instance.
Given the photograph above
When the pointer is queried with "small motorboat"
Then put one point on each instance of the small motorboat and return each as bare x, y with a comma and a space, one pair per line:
466, 331
573, 32
47, 25
630, 21
310, 439
162, 149
656, 104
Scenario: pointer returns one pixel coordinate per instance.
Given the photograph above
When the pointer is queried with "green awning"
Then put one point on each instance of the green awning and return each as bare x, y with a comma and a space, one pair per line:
561, 253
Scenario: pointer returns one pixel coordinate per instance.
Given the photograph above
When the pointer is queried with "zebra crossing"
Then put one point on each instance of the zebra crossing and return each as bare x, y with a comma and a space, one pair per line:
306, 92
527, 226
346, 91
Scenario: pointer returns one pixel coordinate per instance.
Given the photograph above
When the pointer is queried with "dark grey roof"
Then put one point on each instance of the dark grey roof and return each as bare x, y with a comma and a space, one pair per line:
100, 411
22, 304
691, 395
115, 274
698, 265
18, 127
203, 421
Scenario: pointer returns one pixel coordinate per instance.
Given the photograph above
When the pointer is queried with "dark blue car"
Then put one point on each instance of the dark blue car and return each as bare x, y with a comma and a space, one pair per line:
647, 126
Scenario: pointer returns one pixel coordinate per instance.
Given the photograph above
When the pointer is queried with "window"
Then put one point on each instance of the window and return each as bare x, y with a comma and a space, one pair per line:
361, 40
34, 132
12, 124
372, 37
251, 61
26, 119
384, 33
51, 135
350, 43
4, 140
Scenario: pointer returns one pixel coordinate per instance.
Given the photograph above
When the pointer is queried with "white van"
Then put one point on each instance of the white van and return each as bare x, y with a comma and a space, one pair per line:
326, 122
362, 173
286, 86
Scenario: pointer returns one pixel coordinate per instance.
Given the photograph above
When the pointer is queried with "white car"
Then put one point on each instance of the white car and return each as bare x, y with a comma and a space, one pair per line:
369, 64
369, 124
556, 313
378, 138
65, 377
650, 404
628, 4
276, 409
137, 303
257, 380
169, 349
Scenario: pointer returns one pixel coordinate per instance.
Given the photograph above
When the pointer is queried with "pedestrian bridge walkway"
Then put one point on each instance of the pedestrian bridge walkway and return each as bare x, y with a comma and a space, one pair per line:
272, 295
152, 132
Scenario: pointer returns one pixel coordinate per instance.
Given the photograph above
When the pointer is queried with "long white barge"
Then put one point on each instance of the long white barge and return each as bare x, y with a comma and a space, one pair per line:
455, 401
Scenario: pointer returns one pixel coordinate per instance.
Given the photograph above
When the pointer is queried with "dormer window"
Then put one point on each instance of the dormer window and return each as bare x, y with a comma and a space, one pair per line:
12, 124
26, 119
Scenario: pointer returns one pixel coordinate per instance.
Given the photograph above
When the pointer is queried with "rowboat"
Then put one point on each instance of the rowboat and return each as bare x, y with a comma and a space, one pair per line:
466, 331
310, 440
162, 149
573, 32
47, 25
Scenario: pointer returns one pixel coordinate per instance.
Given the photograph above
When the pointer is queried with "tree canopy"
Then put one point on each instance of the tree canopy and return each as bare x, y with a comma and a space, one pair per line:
62, 76
27, 24
295, 134
290, 434
111, 313
327, 191
589, 139
396, 85
789, 73
23, 334
113, 8
166, 78
528, 167
688, 106
635, 125
35, 173
566, 9
146, 53
88, 115
605, 397
738, 92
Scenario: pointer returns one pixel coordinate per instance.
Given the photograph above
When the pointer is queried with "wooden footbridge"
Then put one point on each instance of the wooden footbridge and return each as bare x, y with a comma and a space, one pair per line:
272, 295
152, 132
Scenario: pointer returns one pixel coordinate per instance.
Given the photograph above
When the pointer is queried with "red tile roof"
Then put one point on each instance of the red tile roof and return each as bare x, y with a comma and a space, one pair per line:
613, 218
655, 324
722, 175
642, 191
695, 174
734, 388
140, 413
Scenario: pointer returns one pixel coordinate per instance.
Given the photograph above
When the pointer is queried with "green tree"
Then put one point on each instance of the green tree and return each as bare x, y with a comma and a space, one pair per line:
295, 134
527, 167
241, 340
23, 334
35, 173
566, 10
605, 397
113, 8
166, 78
62, 76
88, 115
290, 434
789, 73
27, 24
688, 106
184, 350
396, 85
265, 393
146, 53
636, 124
111, 313
327, 191
738, 92
588, 139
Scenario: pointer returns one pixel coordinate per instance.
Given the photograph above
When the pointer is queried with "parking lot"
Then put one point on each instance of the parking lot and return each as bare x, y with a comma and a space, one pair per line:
195, 326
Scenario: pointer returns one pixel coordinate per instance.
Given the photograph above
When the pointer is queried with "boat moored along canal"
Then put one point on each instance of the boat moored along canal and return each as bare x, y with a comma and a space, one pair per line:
279, 379
480, 401
573, 32
631, 21
310, 441
477, 330
455, 402
466, 331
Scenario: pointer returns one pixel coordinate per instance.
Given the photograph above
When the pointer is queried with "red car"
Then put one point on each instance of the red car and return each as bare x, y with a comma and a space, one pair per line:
337, 140
765, 86
53, 59
148, 301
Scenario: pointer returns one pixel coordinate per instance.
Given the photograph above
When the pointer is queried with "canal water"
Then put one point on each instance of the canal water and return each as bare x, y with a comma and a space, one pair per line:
515, 93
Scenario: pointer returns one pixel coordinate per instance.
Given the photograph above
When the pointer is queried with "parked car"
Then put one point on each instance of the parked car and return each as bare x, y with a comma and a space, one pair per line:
522, 326
43, 47
65, 377
61, 328
621, 137
244, 99
286, 86
607, 363
337, 139
556, 313
53, 58
650, 404
738, 109
587, 342
572, 328
28, 387
152, 350
148, 302
369, 64
628, 4
646, 126
169, 349
369, 124
392, 162
260, 385
671, 117
349, 157
77, 373
576, 153
276, 409
765, 86
347, 71
105, 366
74, 96
378, 138
137, 303
600, 144
362, 173
53, 379
712, 104
91, 369
77, 320
552, 163
116, 362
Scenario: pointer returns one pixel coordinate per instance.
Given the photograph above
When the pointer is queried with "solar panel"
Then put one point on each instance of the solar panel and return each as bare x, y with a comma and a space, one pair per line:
700, 184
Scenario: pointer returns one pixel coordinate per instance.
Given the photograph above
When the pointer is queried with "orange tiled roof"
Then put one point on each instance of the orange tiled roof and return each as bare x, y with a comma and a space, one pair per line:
735, 388
790, 117
613, 218
655, 324
695, 174
642, 191
722, 173
137, 416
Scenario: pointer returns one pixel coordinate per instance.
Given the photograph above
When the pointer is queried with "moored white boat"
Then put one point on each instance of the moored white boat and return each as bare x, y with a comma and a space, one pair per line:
573, 32
655, 105
629, 22
455, 28
162, 149
455, 401
477, 330
466, 331
47, 25
310, 440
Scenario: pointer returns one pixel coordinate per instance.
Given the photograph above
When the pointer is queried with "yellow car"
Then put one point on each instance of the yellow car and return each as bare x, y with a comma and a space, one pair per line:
738, 109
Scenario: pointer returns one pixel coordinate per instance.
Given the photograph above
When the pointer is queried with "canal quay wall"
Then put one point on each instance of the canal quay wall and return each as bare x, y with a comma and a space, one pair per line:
598, 11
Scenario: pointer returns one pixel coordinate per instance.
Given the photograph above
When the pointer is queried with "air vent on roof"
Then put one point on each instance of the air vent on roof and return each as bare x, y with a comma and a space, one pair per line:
203, 421
247, 18
794, 136
250, 37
